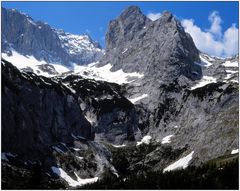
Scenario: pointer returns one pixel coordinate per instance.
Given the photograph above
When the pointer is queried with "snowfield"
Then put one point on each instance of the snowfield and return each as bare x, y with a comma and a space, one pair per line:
81, 158
234, 151
103, 73
89, 71
125, 50
167, 139
145, 140
180, 164
204, 61
21, 62
230, 64
71, 182
119, 146
204, 81
136, 99
78, 44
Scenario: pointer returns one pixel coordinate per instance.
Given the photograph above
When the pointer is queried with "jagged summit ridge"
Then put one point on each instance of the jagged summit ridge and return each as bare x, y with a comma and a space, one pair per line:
125, 27
24, 35
134, 43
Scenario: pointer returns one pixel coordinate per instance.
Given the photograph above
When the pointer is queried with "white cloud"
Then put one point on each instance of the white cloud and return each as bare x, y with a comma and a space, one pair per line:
154, 16
213, 41
231, 40
216, 21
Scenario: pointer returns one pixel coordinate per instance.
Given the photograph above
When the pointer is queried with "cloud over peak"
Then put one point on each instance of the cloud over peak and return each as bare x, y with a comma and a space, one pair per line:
154, 16
213, 40
215, 21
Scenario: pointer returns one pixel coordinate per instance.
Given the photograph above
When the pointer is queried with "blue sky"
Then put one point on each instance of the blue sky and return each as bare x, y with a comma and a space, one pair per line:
93, 17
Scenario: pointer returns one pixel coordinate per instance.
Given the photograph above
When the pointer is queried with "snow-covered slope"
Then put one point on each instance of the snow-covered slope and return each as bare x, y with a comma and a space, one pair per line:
217, 69
91, 71
204, 81
80, 46
30, 63
73, 183
181, 163
104, 73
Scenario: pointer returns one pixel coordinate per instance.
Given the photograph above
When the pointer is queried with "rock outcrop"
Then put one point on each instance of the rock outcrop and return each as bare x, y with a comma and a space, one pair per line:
112, 115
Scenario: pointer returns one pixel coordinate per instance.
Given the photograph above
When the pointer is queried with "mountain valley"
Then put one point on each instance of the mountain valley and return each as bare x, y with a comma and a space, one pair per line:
76, 116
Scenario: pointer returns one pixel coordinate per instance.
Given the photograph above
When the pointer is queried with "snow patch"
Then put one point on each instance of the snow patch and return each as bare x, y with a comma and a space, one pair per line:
68, 87
78, 44
205, 62
230, 64
124, 51
167, 139
180, 164
134, 100
231, 71
90, 120
81, 158
204, 81
146, 140
118, 146
31, 21
60, 68
234, 151
114, 171
71, 182
235, 81
103, 73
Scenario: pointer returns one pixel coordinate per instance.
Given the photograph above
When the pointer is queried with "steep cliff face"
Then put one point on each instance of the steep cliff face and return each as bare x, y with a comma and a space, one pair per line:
181, 91
46, 135
37, 113
21, 33
111, 114
160, 50
134, 43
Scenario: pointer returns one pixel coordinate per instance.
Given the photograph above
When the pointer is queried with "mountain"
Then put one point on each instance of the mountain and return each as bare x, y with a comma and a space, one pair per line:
25, 36
132, 37
45, 134
151, 105
181, 89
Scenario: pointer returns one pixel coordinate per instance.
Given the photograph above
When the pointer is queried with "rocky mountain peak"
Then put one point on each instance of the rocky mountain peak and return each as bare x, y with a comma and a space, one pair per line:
131, 11
28, 37
137, 44
125, 27
167, 16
